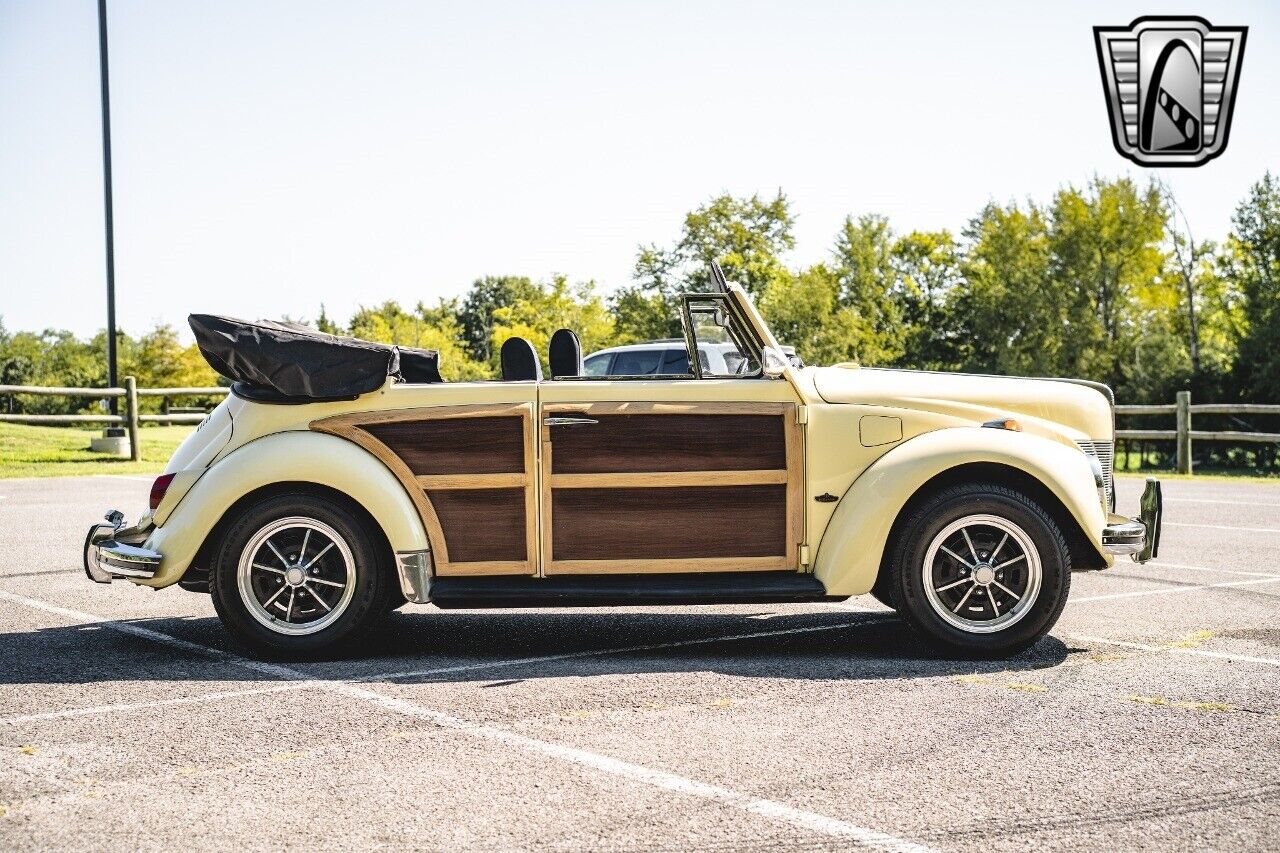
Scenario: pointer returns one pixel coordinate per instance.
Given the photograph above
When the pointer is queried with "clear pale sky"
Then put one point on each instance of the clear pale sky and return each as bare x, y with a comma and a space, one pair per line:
270, 155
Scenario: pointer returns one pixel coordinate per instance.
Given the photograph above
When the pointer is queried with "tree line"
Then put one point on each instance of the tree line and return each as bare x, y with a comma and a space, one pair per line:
1104, 281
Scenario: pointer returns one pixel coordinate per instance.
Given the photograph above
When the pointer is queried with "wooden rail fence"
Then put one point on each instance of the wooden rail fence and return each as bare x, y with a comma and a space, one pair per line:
1183, 434
130, 419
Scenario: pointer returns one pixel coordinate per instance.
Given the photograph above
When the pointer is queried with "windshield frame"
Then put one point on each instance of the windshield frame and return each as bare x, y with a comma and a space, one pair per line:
740, 330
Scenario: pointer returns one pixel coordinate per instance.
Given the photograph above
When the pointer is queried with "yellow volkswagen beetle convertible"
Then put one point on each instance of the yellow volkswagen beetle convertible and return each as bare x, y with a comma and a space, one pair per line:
342, 478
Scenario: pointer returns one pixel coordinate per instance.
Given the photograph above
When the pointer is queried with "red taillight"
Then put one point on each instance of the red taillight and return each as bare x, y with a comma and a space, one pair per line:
158, 488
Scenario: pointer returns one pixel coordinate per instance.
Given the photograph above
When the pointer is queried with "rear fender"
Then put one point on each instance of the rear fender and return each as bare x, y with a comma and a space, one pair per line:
850, 551
293, 456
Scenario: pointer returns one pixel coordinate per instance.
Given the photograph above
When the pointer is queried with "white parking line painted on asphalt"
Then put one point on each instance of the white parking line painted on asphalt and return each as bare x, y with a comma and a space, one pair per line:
1161, 564
125, 707
125, 627
1085, 638
771, 809
1217, 501
1221, 527
1172, 590
658, 778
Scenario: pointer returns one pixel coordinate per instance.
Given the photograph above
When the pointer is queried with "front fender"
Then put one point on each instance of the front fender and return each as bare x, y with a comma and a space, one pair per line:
294, 456
850, 551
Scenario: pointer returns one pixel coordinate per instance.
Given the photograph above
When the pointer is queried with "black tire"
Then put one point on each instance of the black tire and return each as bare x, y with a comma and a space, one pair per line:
883, 590
980, 635
368, 573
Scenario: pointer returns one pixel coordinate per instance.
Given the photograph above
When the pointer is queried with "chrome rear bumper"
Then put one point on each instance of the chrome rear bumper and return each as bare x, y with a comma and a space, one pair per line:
1138, 537
114, 552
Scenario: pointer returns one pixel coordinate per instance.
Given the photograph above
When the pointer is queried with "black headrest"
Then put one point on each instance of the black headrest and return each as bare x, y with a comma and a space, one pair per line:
565, 354
519, 361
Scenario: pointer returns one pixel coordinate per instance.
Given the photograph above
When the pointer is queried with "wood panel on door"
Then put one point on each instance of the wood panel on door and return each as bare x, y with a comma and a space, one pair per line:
470, 471
671, 487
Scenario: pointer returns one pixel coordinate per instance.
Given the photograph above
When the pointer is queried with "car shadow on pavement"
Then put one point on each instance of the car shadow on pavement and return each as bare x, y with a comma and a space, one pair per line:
512, 646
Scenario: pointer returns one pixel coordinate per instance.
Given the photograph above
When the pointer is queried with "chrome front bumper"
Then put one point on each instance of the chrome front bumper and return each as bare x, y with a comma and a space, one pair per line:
114, 552
1138, 537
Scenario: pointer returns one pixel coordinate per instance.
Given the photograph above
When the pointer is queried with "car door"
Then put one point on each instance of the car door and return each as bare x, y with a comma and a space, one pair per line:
690, 473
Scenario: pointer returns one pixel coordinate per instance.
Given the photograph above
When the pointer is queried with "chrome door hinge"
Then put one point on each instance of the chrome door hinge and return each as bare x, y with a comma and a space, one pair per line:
802, 414
804, 555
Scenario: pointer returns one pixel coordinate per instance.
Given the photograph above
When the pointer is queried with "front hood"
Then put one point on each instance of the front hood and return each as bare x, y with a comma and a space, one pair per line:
1050, 407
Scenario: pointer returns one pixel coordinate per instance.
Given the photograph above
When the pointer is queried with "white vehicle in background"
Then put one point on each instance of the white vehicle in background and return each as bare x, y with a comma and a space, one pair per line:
669, 357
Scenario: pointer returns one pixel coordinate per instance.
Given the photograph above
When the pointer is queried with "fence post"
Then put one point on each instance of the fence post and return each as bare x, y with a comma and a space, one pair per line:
1184, 432
131, 417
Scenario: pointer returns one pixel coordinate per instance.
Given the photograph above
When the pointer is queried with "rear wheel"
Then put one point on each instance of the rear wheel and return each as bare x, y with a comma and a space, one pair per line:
980, 569
297, 574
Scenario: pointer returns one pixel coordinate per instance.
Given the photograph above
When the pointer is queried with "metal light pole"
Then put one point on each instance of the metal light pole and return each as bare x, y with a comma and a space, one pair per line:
106, 184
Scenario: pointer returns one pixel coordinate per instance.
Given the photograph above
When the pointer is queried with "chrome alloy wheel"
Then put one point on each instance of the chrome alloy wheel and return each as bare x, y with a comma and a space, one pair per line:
982, 573
296, 576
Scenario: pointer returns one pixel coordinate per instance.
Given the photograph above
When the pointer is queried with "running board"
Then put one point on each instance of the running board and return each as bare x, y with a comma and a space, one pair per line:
626, 590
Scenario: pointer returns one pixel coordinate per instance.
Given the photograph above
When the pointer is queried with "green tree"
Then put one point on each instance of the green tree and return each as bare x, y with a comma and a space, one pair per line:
424, 328
1107, 257
1255, 247
325, 324
557, 305
1007, 318
485, 297
746, 236
158, 359
927, 269
804, 311
863, 266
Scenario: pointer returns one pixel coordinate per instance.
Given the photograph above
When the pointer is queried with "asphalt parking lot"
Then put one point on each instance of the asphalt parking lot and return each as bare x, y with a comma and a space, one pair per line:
1149, 719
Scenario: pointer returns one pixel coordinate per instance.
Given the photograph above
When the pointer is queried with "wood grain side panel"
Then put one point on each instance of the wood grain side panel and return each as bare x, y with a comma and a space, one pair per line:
460, 445
661, 442
482, 524
671, 523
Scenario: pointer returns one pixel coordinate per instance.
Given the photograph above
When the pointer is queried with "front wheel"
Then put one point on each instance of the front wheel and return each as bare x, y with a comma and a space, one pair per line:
296, 574
980, 569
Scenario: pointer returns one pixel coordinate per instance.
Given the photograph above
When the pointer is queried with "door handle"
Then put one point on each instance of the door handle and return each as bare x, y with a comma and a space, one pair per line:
569, 421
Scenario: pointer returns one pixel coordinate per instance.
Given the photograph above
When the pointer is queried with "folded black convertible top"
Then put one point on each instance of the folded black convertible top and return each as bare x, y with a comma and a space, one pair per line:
266, 358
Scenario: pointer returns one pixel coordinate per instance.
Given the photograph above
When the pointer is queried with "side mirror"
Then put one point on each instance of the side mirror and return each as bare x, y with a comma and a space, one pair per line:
773, 362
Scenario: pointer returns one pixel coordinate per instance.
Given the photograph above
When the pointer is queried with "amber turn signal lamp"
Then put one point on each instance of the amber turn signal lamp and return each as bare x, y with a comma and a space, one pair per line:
158, 489
1004, 423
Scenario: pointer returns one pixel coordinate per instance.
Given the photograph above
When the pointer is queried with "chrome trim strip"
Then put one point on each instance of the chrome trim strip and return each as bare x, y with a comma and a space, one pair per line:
415, 569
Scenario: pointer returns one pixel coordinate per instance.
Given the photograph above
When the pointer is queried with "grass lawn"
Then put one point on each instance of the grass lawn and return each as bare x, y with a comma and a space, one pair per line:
43, 451
1234, 476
